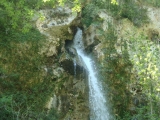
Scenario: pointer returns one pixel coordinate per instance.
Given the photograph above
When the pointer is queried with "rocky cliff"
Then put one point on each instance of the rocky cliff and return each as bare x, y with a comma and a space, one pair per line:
70, 96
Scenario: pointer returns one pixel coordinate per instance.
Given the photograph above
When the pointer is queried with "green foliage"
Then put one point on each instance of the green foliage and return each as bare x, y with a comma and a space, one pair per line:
114, 71
15, 15
145, 56
74, 4
11, 110
24, 87
155, 3
127, 9
130, 10
134, 13
141, 115
6, 108
52, 115
89, 13
120, 70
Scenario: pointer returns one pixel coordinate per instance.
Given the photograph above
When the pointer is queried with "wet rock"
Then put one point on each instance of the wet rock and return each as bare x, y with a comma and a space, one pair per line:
69, 48
90, 39
139, 100
71, 66
58, 22
70, 97
44, 26
153, 35
72, 51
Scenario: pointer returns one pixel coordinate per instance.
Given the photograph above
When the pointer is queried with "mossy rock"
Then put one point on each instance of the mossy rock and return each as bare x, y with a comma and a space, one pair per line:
61, 32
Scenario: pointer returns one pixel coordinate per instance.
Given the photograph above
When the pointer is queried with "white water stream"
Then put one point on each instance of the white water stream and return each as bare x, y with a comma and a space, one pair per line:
98, 108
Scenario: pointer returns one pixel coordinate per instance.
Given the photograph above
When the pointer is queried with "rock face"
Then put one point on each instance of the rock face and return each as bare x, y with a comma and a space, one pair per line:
90, 39
70, 96
71, 65
124, 29
55, 25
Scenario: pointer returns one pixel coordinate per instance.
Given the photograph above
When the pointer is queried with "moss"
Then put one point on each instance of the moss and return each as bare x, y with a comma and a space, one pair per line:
60, 32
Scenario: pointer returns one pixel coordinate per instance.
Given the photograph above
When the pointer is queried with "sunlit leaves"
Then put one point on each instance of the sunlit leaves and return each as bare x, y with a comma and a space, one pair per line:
144, 55
46, 0
61, 2
145, 58
77, 6
18, 15
114, 2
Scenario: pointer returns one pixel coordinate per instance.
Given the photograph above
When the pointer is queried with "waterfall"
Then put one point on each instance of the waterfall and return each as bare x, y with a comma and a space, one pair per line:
97, 101
75, 68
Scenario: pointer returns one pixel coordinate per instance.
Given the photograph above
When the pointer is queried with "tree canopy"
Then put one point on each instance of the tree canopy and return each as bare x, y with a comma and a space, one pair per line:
17, 14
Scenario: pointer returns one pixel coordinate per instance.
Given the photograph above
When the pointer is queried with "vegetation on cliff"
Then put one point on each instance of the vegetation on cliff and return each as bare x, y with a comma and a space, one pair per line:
132, 76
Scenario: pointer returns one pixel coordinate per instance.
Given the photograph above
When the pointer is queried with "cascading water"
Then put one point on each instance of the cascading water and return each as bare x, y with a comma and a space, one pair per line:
75, 68
98, 108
